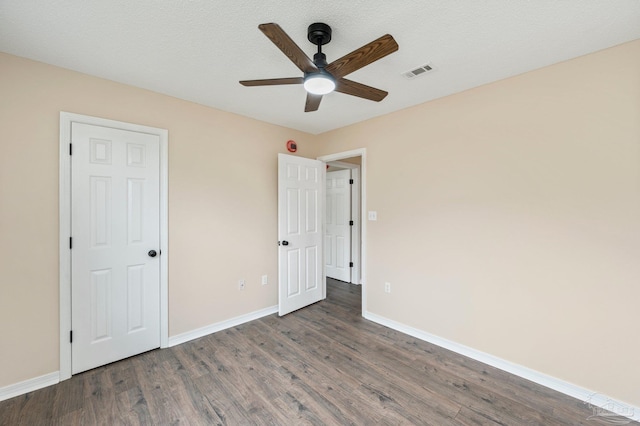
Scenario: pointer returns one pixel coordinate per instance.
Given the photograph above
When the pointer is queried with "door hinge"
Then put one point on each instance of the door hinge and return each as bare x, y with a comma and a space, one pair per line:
350, 181
70, 243
350, 223
70, 149
71, 336
350, 264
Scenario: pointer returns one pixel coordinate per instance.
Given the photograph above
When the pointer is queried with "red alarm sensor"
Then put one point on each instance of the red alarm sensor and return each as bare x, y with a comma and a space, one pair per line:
291, 146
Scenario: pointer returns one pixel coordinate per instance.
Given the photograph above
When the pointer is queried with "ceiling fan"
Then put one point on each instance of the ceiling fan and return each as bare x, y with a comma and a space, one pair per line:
319, 77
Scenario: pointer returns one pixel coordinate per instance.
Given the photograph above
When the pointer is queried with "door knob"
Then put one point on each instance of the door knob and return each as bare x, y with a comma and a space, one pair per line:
285, 243
152, 253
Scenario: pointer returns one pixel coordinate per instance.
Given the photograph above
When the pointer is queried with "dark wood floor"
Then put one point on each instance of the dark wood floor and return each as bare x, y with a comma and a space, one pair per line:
322, 365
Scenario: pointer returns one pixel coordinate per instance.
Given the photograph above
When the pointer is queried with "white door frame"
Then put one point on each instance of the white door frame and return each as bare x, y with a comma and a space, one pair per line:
355, 216
66, 119
362, 153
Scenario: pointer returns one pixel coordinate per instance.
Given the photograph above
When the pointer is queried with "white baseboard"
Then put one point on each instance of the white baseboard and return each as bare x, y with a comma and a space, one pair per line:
30, 385
219, 326
595, 400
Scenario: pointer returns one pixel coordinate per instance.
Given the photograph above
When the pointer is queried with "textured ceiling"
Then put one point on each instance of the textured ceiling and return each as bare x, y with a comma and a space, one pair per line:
198, 50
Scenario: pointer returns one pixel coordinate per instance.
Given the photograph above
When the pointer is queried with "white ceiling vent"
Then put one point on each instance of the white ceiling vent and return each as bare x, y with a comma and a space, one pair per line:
422, 70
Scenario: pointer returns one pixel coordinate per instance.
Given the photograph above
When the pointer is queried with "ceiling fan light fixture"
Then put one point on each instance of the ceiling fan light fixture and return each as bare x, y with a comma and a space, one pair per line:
319, 84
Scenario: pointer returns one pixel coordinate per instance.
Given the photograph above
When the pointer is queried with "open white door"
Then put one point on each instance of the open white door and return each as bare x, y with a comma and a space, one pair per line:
337, 244
300, 232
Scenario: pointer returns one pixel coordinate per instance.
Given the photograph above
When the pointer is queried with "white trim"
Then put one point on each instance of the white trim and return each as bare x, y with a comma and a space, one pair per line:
222, 325
30, 385
592, 398
164, 238
64, 256
66, 118
362, 153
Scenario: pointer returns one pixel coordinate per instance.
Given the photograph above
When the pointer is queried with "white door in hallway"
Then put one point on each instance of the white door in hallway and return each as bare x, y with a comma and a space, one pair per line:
115, 229
337, 240
300, 234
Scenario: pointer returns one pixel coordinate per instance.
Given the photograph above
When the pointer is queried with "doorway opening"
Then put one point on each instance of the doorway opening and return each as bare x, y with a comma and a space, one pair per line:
352, 163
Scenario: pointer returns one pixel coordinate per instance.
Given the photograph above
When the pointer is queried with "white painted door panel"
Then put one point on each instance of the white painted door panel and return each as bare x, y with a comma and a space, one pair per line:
338, 231
115, 284
300, 208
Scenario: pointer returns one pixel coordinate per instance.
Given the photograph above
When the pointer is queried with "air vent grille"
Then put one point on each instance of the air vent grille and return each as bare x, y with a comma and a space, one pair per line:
422, 70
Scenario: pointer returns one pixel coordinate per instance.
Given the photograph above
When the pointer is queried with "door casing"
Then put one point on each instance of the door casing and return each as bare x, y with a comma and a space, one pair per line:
66, 119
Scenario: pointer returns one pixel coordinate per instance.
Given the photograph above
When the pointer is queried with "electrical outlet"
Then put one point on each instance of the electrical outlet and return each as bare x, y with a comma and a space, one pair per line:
241, 284
373, 215
265, 280
387, 287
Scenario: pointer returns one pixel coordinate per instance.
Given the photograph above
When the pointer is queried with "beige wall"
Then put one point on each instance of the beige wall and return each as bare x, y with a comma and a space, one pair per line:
222, 205
507, 215
509, 218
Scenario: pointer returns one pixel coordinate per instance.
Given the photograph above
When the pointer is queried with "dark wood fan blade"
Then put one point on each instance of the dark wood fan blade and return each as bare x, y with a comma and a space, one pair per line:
359, 58
288, 47
313, 102
360, 90
273, 81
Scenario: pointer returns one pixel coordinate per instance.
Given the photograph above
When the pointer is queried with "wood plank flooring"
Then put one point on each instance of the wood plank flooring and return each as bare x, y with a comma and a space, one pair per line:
322, 365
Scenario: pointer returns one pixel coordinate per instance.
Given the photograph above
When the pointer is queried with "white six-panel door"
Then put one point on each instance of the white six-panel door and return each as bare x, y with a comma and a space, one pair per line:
300, 232
115, 277
337, 243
